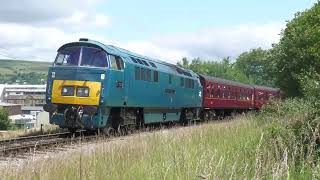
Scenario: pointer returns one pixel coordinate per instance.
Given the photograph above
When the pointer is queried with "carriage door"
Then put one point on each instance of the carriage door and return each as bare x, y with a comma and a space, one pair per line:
117, 81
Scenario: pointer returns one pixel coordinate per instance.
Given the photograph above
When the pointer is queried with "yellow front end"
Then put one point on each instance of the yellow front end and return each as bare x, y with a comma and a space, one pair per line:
92, 98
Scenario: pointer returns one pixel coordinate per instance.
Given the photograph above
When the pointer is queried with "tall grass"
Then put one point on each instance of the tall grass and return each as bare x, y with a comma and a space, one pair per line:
280, 142
219, 150
291, 147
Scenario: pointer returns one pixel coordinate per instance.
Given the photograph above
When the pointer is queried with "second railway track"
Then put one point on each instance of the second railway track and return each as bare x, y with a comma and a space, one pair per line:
12, 147
23, 145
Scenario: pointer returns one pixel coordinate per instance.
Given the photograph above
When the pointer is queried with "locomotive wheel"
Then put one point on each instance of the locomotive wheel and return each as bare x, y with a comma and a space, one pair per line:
123, 130
109, 131
206, 116
72, 130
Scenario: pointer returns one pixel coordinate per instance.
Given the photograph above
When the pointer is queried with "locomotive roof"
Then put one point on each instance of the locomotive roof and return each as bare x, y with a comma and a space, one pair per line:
227, 82
126, 53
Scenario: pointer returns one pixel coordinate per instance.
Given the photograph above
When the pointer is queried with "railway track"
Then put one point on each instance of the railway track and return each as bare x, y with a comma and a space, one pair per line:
22, 145
29, 144
15, 146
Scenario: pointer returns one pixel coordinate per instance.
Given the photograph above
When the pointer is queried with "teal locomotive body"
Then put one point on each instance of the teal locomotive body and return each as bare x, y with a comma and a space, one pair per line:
96, 86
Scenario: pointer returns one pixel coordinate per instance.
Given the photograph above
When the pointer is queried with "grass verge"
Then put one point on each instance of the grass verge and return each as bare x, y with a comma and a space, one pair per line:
218, 150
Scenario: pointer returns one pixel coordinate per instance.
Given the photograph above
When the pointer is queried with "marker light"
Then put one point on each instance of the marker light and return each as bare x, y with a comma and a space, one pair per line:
67, 91
83, 91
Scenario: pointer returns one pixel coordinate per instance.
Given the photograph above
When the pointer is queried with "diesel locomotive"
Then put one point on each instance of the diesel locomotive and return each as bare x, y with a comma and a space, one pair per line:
94, 86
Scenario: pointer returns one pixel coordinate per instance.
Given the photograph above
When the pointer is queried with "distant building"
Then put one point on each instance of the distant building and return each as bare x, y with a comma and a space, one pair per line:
24, 104
26, 95
33, 110
12, 109
24, 121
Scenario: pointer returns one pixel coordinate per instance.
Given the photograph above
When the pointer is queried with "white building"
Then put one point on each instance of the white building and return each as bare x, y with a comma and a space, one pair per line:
31, 98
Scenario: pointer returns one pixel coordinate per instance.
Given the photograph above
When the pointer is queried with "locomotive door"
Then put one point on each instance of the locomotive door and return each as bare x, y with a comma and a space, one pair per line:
117, 82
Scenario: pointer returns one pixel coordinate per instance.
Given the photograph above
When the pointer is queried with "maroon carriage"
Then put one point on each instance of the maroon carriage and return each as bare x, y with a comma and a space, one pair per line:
224, 96
263, 94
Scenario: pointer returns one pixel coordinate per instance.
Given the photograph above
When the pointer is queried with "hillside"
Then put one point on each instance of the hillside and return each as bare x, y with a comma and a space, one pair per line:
23, 72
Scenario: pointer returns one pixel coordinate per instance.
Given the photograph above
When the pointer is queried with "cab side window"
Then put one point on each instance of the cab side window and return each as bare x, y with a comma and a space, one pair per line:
116, 62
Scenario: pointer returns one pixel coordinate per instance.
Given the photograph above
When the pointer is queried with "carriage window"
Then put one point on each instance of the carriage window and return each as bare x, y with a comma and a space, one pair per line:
170, 79
212, 92
116, 62
155, 76
187, 83
148, 75
208, 92
137, 73
182, 82
143, 74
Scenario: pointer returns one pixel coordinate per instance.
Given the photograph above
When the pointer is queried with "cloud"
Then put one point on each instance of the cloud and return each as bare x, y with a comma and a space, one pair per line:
155, 51
35, 11
210, 44
84, 19
67, 15
223, 42
34, 29
35, 43
41, 43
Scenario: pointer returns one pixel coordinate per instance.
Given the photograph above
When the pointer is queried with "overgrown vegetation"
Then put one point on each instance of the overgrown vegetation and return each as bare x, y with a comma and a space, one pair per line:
292, 130
291, 138
4, 120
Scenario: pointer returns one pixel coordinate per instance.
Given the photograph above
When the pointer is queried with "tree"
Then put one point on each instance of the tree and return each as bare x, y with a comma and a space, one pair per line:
255, 65
298, 50
184, 63
4, 120
223, 69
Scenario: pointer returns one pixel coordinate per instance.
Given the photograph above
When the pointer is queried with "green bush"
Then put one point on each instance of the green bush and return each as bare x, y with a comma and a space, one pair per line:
292, 133
4, 120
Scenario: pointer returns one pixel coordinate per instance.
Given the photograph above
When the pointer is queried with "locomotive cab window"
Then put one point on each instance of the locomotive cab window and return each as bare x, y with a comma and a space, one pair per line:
116, 63
68, 57
93, 57
81, 56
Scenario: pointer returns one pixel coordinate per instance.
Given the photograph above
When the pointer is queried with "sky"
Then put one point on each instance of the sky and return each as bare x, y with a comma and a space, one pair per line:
168, 29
